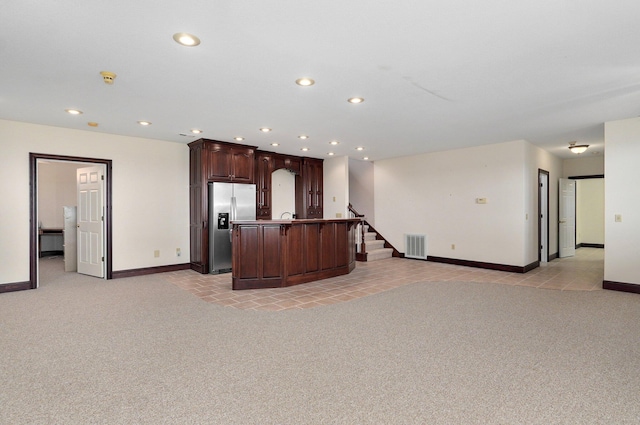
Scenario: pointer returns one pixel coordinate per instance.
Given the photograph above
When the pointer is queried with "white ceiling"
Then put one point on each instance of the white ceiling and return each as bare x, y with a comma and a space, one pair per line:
435, 74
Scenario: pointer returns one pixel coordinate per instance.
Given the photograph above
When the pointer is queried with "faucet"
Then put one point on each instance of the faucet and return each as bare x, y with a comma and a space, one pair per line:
286, 212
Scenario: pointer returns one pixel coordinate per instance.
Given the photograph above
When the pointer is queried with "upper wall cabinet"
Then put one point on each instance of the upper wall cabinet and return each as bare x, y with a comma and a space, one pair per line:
264, 168
228, 162
312, 187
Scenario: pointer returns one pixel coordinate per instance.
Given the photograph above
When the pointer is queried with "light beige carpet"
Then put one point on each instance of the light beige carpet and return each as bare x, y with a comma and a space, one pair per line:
141, 351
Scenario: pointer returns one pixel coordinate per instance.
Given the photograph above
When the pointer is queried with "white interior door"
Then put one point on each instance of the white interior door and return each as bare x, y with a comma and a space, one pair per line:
90, 216
567, 218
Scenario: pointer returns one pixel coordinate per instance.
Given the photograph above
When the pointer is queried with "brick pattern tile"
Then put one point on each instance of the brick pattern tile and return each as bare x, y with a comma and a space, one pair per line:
584, 272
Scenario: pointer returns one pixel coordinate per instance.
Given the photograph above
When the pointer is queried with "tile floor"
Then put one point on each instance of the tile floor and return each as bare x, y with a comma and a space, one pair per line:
584, 272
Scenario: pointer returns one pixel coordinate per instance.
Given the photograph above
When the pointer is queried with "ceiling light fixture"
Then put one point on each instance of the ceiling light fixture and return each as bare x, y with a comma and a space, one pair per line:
144, 123
334, 142
359, 148
196, 131
265, 129
304, 149
238, 139
73, 111
305, 82
355, 100
186, 39
577, 148
330, 154
366, 158
303, 137
92, 124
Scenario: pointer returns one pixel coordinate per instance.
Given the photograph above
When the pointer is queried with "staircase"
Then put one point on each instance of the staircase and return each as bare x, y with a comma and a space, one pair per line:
370, 245
374, 247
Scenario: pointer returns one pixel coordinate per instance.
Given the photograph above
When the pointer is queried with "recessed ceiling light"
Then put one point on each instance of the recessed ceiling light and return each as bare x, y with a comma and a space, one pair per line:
92, 124
265, 129
144, 123
239, 139
73, 111
303, 137
334, 142
355, 100
330, 153
359, 148
186, 39
305, 82
366, 158
304, 149
196, 131
275, 144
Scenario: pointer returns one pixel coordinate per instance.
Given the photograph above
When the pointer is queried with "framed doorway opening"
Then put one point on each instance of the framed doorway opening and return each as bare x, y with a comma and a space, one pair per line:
33, 210
543, 215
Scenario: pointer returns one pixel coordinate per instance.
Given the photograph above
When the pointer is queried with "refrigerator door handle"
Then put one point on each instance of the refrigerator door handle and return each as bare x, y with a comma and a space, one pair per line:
233, 214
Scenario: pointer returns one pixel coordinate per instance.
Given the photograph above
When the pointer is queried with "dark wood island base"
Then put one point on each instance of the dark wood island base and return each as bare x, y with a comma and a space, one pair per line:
277, 253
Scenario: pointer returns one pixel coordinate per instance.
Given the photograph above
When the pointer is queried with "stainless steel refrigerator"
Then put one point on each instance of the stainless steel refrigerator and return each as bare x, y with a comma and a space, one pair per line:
227, 202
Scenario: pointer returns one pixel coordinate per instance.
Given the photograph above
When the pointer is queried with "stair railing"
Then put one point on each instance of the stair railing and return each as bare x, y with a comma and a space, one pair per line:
361, 248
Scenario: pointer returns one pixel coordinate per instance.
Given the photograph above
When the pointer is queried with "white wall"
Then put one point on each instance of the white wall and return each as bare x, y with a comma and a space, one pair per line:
56, 189
283, 194
361, 193
435, 194
150, 194
583, 166
590, 211
622, 239
336, 187
540, 159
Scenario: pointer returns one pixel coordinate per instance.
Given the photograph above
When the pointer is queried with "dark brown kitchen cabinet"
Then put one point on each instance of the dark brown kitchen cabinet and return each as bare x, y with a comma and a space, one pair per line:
291, 163
215, 161
229, 162
264, 168
212, 161
312, 202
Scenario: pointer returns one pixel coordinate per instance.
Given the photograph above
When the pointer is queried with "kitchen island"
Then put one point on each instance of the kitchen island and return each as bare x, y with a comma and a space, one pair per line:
276, 253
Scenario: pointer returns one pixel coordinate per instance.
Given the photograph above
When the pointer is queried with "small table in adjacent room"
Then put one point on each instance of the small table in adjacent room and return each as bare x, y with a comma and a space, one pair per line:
53, 242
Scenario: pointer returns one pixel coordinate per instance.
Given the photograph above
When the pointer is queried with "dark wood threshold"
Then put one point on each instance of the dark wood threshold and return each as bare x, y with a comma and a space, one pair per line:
591, 245
17, 286
51, 253
621, 286
483, 265
118, 274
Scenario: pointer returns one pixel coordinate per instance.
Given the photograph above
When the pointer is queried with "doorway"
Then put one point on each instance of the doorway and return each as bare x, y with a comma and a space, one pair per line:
543, 216
34, 231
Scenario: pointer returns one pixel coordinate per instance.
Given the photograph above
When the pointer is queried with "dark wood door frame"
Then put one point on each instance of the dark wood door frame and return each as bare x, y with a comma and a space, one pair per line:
542, 172
33, 210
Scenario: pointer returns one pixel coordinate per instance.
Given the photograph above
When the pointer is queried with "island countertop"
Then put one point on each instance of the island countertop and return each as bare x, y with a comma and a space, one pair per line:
275, 253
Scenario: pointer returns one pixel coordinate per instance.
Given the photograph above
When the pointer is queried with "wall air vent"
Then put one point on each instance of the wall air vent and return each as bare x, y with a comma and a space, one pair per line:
415, 246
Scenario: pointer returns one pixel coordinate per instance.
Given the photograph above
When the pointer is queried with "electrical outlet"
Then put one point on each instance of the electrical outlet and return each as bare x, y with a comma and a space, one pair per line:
618, 218
178, 253
156, 253
453, 246
338, 215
